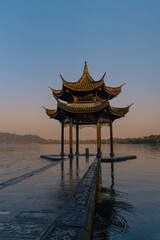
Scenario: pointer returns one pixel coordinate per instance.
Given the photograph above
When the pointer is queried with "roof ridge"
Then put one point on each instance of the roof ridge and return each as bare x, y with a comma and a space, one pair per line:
62, 104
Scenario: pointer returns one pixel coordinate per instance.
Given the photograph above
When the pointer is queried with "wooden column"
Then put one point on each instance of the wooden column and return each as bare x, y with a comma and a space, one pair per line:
98, 139
62, 139
77, 139
70, 139
111, 140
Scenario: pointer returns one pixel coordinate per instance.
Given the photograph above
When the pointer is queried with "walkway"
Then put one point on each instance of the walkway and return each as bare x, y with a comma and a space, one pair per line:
30, 204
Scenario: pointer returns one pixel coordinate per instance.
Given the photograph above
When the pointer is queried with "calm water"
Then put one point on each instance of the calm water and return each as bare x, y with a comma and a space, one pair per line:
128, 199
18, 159
128, 205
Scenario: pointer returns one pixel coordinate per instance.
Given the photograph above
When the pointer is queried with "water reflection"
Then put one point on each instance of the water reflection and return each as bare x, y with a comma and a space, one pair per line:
87, 159
77, 167
71, 172
70, 169
62, 172
112, 175
109, 219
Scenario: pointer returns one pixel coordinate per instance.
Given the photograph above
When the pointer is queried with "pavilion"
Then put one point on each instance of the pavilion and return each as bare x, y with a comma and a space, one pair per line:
86, 102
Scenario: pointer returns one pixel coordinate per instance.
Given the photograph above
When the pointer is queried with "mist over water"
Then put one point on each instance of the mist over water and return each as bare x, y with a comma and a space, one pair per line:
128, 197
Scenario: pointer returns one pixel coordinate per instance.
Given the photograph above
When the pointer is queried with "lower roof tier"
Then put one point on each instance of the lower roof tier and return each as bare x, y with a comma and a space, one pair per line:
86, 112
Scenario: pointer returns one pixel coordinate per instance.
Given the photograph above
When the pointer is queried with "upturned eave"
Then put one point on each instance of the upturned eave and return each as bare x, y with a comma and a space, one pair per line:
113, 90
56, 92
51, 112
120, 112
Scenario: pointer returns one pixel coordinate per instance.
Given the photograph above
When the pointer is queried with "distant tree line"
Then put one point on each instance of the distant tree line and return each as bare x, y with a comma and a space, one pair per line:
14, 138
146, 139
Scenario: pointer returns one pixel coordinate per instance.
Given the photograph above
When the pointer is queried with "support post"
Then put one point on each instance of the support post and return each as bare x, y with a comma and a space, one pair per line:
98, 139
70, 139
111, 140
62, 139
77, 138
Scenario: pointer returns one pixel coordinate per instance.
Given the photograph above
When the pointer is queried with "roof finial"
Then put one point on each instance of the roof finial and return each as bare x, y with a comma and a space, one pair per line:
85, 68
61, 77
103, 76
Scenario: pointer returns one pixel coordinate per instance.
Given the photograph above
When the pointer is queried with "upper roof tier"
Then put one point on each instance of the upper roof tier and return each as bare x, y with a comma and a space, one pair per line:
84, 86
85, 83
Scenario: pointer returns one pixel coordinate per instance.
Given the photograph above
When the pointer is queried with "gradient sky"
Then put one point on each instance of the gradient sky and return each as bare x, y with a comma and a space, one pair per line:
40, 39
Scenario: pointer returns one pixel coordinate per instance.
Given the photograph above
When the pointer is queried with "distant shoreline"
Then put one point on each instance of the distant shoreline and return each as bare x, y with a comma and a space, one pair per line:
6, 138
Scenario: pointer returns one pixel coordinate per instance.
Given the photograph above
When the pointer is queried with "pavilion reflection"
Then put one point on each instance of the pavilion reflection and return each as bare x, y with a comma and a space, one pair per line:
87, 159
77, 167
110, 208
68, 166
62, 171
71, 170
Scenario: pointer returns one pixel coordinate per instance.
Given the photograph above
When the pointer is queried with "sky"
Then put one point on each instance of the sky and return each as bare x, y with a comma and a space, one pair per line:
40, 39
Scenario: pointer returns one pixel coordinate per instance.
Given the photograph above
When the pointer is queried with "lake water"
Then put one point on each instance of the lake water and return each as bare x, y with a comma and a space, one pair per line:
128, 205
128, 198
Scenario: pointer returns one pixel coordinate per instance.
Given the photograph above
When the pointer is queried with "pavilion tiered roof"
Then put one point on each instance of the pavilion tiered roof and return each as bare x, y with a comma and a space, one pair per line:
98, 103
85, 85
